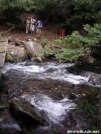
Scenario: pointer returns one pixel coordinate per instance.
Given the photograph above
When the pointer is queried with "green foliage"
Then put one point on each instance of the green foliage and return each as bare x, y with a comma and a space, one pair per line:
82, 12
25, 53
47, 52
72, 47
63, 51
44, 42
94, 34
10, 11
12, 4
96, 126
88, 108
72, 14
92, 38
68, 54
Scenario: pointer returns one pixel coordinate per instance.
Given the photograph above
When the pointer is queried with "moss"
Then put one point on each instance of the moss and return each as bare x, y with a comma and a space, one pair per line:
25, 53
14, 58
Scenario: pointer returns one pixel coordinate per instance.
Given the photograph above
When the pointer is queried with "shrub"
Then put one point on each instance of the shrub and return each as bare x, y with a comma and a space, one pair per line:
72, 47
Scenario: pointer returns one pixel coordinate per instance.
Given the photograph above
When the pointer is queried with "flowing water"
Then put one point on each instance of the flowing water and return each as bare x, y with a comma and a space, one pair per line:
56, 109
47, 70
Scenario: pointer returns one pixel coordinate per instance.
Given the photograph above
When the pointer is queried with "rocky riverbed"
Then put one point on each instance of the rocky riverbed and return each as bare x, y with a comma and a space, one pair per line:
39, 98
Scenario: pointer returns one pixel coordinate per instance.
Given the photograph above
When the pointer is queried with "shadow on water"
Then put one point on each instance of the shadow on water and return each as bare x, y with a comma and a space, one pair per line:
81, 67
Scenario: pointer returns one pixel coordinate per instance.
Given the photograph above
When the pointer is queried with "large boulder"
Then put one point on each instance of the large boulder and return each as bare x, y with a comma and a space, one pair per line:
34, 50
90, 60
16, 53
24, 111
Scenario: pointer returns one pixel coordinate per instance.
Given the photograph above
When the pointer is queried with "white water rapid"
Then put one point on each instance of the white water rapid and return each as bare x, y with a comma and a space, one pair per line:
30, 85
55, 110
47, 70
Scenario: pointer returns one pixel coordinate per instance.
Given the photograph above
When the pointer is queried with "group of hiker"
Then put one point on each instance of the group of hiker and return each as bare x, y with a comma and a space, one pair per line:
33, 25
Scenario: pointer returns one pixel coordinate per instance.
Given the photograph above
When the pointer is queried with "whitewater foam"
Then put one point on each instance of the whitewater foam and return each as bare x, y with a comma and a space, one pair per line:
56, 110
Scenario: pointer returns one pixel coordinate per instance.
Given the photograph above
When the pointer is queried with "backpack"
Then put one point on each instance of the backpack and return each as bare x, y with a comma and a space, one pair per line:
39, 25
33, 21
27, 21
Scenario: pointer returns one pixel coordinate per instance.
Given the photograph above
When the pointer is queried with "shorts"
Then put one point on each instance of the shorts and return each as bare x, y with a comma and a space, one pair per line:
27, 25
32, 27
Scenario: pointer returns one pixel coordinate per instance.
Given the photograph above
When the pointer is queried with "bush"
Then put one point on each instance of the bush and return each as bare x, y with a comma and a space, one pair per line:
72, 47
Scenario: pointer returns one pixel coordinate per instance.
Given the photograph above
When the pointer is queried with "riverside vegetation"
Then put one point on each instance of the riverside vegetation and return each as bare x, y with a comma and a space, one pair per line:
72, 15
72, 47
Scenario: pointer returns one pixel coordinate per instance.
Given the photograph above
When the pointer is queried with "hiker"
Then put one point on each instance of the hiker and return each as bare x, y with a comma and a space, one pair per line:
27, 25
32, 25
38, 28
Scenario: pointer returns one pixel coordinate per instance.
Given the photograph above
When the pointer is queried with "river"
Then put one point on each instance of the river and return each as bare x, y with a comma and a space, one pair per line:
51, 87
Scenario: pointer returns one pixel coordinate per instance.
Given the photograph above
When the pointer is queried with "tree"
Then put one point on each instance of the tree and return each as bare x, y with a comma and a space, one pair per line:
10, 10
71, 14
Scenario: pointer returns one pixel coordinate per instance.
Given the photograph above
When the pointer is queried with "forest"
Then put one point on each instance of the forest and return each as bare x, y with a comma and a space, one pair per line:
81, 20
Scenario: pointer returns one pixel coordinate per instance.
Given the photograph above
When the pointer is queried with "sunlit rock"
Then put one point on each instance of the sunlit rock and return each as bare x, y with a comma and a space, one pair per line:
34, 50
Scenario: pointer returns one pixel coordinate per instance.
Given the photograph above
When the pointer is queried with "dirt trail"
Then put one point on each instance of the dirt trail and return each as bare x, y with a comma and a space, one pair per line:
47, 32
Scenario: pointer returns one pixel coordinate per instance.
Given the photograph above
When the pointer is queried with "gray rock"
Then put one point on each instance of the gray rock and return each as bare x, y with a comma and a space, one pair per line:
34, 50
3, 49
16, 53
95, 79
24, 111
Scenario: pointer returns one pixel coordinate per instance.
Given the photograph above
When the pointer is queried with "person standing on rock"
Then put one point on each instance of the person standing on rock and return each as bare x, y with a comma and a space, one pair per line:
38, 28
27, 25
32, 25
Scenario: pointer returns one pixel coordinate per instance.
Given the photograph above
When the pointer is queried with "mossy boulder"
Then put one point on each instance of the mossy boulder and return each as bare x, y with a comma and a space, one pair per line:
16, 53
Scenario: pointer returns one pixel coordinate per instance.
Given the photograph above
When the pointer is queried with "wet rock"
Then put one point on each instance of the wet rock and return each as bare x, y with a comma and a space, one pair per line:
3, 107
78, 121
24, 111
7, 124
10, 126
90, 60
87, 58
95, 79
